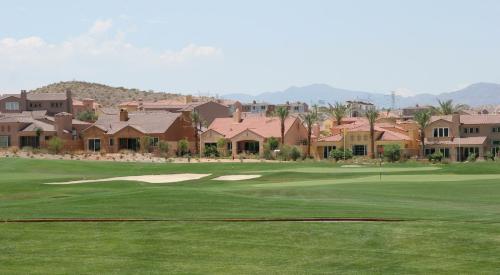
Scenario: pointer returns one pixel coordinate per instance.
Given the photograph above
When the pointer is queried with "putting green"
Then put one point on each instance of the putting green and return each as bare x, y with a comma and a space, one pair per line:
349, 170
403, 179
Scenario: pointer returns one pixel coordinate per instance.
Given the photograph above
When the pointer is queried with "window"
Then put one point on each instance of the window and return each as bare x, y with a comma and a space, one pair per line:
12, 106
296, 108
359, 150
466, 130
4, 141
94, 144
229, 146
495, 129
441, 132
445, 152
111, 142
154, 141
262, 107
429, 151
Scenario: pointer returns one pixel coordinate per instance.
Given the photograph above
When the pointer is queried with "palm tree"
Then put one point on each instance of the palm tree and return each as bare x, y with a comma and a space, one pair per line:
446, 107
423, 118
197, 124
309, 120
282, 113
372, 116
338, 111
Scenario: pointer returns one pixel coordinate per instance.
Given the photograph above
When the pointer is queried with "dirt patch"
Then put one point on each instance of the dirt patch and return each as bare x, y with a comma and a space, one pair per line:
237, 177
145, 178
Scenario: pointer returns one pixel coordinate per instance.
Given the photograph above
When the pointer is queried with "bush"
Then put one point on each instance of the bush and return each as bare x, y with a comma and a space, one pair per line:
472, 158
87, 115
222, 147
273, 143
284, 153
338, 154
392, 152
436, 157
55, 145
163, 148
144, 143
294, 153
489, 156
182, 147
211, 151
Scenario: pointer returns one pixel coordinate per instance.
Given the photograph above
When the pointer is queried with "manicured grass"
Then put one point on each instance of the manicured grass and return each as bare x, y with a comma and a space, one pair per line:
453, 214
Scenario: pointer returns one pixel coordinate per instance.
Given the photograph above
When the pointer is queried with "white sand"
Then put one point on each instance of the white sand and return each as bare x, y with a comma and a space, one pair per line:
237, 177
145, 178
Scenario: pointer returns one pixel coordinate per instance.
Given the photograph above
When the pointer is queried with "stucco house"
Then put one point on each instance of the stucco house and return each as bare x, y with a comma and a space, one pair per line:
458, 136
123, 131
36, 128
248, 134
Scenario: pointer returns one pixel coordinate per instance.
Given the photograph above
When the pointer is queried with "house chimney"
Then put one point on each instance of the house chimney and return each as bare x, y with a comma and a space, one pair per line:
63, 121
237, 116
188, 99
140, 104
88, 104
69, 101
123, 115
316, 130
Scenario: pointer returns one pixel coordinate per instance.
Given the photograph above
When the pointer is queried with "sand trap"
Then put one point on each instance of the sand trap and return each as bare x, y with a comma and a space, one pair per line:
145, 178
237, 177
351, 166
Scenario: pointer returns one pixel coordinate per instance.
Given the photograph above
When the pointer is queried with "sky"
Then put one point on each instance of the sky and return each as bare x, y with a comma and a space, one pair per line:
221, 47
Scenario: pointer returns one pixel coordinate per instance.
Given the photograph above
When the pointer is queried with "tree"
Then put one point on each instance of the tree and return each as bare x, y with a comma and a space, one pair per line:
163, 148
55, 145
197, 124
87, 115
446, 107
309, 120
38, 133
182, 147
282, 113
222, 146
423, 118
392, 152
372, 116
338, 112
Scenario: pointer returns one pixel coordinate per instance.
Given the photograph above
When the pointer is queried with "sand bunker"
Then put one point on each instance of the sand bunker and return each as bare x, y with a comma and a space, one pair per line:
237, 177
145, 178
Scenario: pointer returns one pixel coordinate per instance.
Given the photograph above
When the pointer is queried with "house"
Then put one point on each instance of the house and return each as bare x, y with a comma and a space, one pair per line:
123, 131
53, 103
258, 108
410, 112
36, 128
458, 136
295, 107
359, 108
208, 110
86, 104
354, 134
248, 134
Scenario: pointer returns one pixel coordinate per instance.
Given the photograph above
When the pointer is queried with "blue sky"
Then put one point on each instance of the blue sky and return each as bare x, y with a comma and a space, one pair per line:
251, 46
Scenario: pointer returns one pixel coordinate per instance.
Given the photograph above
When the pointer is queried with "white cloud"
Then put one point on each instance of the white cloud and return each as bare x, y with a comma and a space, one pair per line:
404, 92
92, 49
101, 26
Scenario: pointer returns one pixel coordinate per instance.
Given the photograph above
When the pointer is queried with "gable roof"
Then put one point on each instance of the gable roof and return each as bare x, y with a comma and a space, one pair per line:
144, 122
263, 126
46, 96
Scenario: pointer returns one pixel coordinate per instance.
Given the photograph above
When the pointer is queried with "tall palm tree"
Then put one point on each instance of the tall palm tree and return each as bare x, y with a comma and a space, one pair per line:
372, 116
309, 120
338, 111
446, 107
282, 113
423, 118
197, 124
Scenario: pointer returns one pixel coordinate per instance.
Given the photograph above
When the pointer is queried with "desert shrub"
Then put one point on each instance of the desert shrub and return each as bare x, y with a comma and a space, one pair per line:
55, 145
338, 154
182, 147
145, 144
222, 147
294, 153
436, 156
211, 151
489, 156
472, 158
284, 153
163, 148
392, 152
273, 143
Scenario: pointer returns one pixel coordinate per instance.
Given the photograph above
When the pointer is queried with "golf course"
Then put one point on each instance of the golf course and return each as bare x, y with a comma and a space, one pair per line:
91, 217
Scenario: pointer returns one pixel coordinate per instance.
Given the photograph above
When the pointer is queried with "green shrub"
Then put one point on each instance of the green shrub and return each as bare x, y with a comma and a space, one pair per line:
211, 151
489, 156
284, 153
222, 147
182, 147
339, 154
436, 156
294, 153
472, 158
87, 115
144, 144
273, 143
163, 148
55, 145
392, 152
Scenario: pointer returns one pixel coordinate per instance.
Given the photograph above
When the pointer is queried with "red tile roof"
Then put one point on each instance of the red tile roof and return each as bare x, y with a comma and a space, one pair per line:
459, 141
263, 126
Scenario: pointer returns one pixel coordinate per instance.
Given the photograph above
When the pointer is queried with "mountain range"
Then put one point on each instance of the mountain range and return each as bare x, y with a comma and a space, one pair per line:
478, 94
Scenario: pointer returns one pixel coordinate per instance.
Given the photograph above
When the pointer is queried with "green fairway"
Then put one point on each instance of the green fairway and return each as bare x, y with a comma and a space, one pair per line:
451, 218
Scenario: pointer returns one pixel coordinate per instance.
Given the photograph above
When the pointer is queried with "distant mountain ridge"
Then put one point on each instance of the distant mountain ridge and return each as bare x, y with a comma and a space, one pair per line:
477, 94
